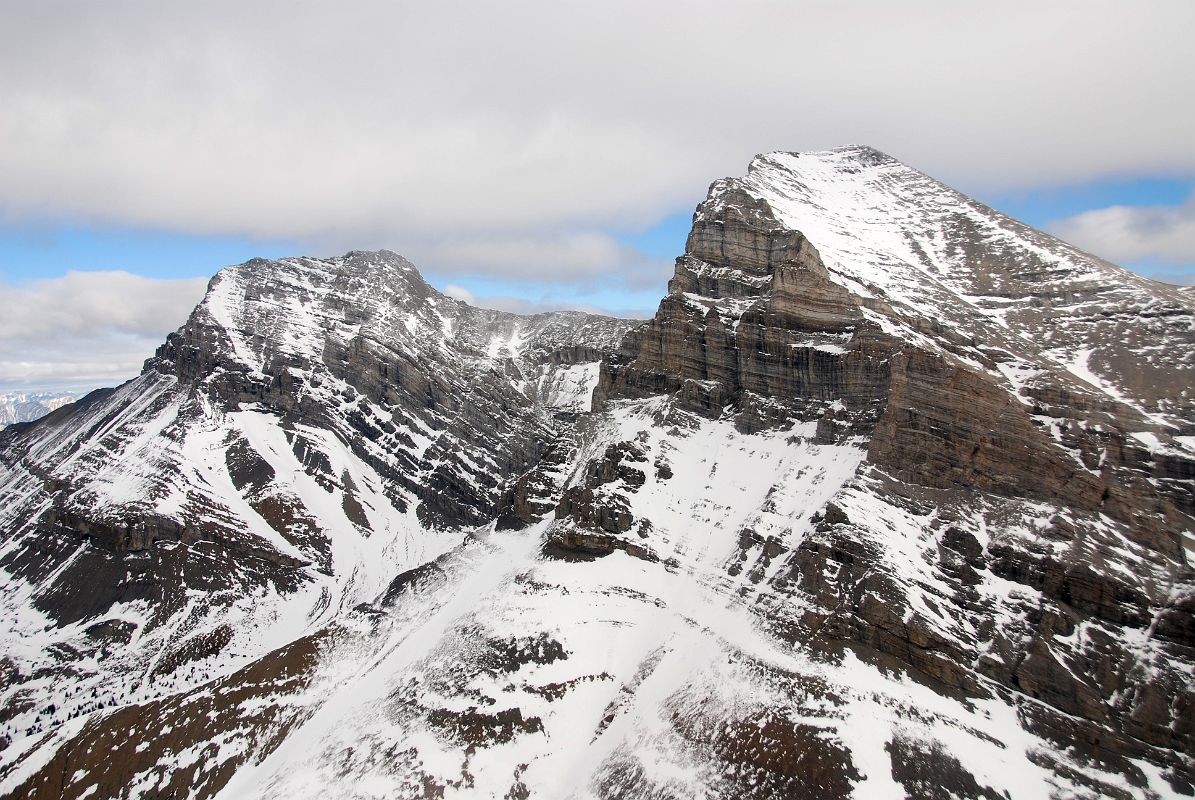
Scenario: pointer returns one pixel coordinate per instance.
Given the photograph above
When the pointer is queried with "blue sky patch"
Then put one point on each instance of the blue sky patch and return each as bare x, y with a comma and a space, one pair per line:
48, 249
1041, 206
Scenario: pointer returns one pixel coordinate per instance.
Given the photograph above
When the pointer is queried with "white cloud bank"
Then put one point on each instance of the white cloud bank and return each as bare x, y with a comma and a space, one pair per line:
576, 257
1128, 234
87, 329
417, 125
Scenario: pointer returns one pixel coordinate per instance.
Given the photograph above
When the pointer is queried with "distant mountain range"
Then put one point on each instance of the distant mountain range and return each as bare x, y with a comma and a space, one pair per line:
28, 406
893, 497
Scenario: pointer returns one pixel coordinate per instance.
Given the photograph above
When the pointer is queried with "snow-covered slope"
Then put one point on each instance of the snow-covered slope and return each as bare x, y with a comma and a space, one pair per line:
941, 259
872, 507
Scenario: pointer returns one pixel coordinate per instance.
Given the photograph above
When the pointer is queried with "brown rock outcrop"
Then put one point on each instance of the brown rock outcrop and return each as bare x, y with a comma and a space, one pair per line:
751, 310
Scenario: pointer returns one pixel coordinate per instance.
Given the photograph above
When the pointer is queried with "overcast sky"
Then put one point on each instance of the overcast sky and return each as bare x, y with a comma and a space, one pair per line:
532, 153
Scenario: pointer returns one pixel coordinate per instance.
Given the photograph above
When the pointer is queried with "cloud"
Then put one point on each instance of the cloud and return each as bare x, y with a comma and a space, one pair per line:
87, 328
574, 257
459, 293
1128, 234
391, 123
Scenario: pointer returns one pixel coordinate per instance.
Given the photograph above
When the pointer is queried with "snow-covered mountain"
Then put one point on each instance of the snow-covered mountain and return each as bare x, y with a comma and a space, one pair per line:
28, 406
893, 497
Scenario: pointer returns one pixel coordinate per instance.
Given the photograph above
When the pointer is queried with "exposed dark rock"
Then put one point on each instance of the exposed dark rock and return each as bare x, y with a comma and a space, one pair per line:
1079, 586
595, 510
423, 577
927, 770
575, 545
149, 740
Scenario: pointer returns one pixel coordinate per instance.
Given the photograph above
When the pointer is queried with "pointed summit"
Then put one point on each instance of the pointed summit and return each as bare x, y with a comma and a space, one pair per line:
922, 256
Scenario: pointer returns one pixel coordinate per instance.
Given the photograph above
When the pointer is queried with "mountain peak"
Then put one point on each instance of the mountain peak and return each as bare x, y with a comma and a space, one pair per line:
842, 156
891, 493
918, 253
381, 265
365, 258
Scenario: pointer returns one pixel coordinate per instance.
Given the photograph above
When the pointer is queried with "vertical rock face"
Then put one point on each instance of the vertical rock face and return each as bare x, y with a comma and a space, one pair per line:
751, 314
892, 497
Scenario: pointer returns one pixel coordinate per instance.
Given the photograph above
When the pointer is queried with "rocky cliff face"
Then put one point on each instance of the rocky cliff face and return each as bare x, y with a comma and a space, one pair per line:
893, 497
